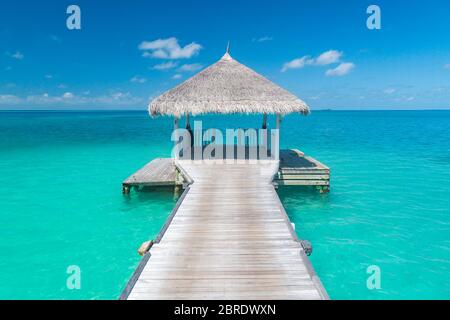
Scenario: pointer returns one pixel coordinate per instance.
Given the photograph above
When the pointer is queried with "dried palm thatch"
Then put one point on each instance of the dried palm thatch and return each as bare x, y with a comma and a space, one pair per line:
227, 87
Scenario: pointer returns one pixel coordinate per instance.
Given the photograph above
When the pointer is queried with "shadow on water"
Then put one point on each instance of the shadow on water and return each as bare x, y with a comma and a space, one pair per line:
300, 194
146, 193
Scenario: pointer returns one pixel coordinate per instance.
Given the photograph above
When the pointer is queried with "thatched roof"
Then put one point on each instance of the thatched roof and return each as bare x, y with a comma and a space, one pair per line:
227, 87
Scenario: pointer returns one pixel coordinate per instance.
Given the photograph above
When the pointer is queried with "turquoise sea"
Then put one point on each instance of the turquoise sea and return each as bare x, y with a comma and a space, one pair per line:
61, 202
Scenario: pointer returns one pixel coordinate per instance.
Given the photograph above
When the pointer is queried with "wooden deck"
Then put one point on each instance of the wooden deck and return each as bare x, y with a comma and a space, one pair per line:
227, 238
300, 170
159, 172
295, 169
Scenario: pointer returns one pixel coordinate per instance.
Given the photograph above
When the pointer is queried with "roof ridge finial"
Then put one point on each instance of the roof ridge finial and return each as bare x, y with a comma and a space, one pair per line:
228, 47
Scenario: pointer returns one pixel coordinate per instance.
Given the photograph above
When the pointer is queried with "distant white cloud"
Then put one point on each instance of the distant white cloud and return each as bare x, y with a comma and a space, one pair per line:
177, 76
48, 76
447, 66
296, 63
262, 39
9, 85
325, 58
137, 79
62, 86
340, 70
9, 99
168, 49
165, 65
389, 90
55, 38
328, 57
17, 55
190, 67
69, 99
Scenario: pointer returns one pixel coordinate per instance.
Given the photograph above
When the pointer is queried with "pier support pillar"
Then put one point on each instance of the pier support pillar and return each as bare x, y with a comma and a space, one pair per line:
126, 189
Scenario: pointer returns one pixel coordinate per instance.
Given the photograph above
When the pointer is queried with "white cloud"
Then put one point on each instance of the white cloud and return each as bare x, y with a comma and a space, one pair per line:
9, 99
325, 58
43, 99
48, 76
137, 79
447, 66
328, 57
262, 39
62, 86
17, 55
119, 95
389, 90
165, 65
177, 76
296, 63
113, 99
168, 49
160, 54
190, 67
340, 70
55, 38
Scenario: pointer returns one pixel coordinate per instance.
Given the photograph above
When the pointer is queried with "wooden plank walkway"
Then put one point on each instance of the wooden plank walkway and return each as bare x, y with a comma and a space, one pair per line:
228, 238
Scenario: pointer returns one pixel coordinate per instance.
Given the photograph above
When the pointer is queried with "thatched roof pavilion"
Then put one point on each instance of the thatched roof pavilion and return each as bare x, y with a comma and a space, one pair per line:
226, 87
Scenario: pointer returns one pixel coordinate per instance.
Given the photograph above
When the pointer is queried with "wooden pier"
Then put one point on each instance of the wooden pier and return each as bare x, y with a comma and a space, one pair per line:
228, 237
295, 169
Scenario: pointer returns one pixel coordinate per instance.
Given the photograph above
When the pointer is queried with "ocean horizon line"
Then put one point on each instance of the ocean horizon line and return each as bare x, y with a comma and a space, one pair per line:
144, 110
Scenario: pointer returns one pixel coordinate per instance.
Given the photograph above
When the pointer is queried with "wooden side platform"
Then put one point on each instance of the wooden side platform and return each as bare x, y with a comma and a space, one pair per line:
295, 169
159, 172
300, 170
228, 238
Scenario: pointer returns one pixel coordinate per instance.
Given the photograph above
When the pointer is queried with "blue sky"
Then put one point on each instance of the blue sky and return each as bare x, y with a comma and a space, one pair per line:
320, 50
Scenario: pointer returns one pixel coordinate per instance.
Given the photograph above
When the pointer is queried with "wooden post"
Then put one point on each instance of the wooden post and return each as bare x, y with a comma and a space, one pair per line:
278, 124
145, 247
178, 183
126, 189
188, 124
264, 126
176, 122
188, 128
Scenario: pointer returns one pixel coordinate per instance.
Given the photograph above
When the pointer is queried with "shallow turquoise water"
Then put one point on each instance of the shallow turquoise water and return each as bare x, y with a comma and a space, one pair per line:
61, 201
